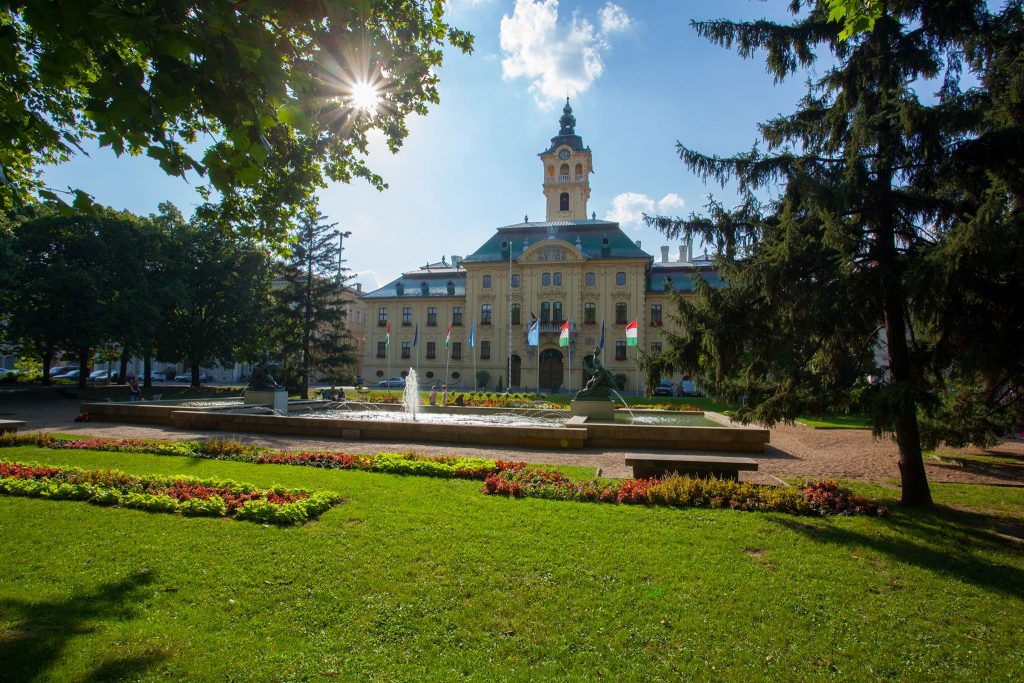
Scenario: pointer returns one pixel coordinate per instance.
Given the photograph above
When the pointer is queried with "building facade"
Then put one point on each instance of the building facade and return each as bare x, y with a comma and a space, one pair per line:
566, 268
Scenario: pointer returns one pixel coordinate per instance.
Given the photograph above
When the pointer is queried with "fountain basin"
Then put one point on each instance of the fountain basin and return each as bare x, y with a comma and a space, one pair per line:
715, 434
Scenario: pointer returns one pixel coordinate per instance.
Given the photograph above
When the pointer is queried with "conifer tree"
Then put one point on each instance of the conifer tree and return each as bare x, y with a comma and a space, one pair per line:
874, 223
312, 314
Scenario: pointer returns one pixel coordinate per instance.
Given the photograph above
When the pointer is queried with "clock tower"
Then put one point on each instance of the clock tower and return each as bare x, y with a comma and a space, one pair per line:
567, 168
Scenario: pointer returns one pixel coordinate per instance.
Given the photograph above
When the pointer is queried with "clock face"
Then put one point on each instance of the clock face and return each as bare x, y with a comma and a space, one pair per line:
563, 155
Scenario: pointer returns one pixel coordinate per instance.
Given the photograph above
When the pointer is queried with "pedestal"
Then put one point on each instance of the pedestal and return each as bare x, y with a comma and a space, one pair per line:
275, 398
597, 410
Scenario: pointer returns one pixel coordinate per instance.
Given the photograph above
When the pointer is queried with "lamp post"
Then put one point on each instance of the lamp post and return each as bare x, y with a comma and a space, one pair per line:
341, 282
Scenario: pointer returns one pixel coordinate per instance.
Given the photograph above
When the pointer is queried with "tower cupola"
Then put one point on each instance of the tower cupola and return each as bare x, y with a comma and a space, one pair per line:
567, 168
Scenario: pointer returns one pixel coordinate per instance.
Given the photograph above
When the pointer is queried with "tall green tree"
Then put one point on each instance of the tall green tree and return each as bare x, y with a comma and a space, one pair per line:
286, 91
311, 310
218, 309
73, 284
870, 223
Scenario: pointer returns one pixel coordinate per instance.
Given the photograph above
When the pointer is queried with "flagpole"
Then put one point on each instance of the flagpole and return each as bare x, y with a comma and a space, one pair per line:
472, 336
388, 338
447, 352
508, 314
569, 346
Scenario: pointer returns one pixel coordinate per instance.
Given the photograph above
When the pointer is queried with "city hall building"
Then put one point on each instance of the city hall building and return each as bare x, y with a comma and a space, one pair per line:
566, 268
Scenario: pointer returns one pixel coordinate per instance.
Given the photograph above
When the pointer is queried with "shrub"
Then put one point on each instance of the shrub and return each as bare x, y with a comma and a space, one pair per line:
188, 495
227, 448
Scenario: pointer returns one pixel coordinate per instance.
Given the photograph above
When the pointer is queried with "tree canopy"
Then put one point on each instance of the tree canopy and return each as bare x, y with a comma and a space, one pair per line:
265, 99
876, 258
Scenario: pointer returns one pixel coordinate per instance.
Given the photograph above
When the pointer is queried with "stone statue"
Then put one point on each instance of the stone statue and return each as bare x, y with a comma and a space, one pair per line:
261, 378
601, 382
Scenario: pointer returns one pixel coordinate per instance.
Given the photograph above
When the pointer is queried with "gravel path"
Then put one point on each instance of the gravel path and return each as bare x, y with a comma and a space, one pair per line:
794, 451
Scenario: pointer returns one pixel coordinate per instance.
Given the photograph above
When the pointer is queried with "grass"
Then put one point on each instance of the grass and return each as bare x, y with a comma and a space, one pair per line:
417, 578
835, 422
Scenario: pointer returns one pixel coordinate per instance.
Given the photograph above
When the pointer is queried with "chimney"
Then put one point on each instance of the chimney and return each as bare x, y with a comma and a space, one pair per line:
682, 252
689, 250
456, 260
664, 254
638, 244
359, 288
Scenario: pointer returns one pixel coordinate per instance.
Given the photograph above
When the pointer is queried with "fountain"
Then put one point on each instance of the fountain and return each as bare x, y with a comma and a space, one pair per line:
411, 395
594, 400
264, 390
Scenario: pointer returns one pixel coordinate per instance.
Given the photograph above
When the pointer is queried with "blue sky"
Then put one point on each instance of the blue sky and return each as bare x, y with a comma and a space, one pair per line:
640, 79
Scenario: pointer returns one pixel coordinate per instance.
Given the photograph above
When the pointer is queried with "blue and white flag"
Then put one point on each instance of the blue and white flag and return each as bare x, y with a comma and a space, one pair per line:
472, 334
416, 335
533, 338
600, 347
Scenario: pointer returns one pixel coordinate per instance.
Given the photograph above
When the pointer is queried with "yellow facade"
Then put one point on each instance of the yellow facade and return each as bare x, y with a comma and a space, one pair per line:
567, 267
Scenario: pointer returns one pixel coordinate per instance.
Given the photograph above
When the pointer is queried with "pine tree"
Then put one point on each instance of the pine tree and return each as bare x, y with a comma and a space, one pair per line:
312, 313
889, 209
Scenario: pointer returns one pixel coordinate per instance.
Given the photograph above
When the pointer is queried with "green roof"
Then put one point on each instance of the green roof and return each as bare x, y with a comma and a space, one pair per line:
683, 277
589, 234
412, 284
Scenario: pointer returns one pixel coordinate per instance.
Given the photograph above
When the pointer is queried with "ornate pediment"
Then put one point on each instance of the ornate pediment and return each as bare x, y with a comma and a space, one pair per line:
552, 251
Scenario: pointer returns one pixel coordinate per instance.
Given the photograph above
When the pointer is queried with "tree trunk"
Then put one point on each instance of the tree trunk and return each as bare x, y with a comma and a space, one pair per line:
47, 362
913, 479
147, 370
122, 370
83, 368
195, 374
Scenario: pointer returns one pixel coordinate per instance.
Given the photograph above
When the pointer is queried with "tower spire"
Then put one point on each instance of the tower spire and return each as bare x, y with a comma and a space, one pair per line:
568, 121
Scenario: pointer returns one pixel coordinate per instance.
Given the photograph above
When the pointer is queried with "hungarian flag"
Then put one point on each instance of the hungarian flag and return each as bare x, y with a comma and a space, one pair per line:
631, 334
563, 338
387, 334
448, 335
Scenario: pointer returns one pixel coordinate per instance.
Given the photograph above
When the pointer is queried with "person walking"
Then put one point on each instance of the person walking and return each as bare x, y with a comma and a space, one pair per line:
444, 395
433, 395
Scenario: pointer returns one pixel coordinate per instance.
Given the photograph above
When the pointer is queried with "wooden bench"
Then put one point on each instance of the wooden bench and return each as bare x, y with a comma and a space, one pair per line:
647, 465
11, 425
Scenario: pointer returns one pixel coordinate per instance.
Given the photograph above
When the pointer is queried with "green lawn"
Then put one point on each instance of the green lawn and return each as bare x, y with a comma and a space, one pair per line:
426, 579
836, 422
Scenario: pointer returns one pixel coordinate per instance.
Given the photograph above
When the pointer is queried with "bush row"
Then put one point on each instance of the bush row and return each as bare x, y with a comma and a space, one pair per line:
185, 495
236, 451
819, 498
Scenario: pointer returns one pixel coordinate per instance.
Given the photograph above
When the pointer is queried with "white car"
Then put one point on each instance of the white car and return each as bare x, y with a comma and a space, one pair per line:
187, 377
393, 383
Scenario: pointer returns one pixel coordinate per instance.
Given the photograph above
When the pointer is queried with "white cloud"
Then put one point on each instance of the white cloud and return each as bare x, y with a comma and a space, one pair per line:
628, 208
559, 60
613, 18
367, 278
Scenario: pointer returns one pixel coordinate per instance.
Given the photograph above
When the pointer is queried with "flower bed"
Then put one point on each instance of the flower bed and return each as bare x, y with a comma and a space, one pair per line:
185, 495
819, 498
505, 478
235, 451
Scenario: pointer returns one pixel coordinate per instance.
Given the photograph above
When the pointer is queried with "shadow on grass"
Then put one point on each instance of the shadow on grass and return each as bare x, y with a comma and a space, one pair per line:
45, 628
944, 541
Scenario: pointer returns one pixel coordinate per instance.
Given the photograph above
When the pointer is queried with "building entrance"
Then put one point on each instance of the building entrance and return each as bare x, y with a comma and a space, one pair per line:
517, 365
551, 373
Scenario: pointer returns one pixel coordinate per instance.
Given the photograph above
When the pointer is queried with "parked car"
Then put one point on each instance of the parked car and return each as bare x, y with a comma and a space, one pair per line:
393, 383
73, 374
97, 375
61, 370
4, 372
187, 377
665, 388
688, 388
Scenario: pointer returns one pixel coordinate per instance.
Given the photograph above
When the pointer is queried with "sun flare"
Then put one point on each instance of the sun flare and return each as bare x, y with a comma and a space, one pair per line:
365, 96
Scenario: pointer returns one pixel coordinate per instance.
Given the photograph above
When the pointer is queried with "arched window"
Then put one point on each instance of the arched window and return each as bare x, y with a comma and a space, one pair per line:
564, 172
579, 173
545, 280
515, 281
591, 279
487, 281
558, 280
563, 201
620, 279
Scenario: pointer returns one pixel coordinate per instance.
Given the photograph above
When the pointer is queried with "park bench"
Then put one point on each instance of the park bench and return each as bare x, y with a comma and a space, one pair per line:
647, 465
11, 425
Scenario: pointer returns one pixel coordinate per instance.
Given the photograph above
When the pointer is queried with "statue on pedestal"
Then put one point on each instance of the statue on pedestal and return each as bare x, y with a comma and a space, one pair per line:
601, 382
261, 379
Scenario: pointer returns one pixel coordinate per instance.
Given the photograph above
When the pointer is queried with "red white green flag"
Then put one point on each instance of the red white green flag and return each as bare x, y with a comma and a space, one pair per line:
631, 334
387, 334
448, 336
563, 338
